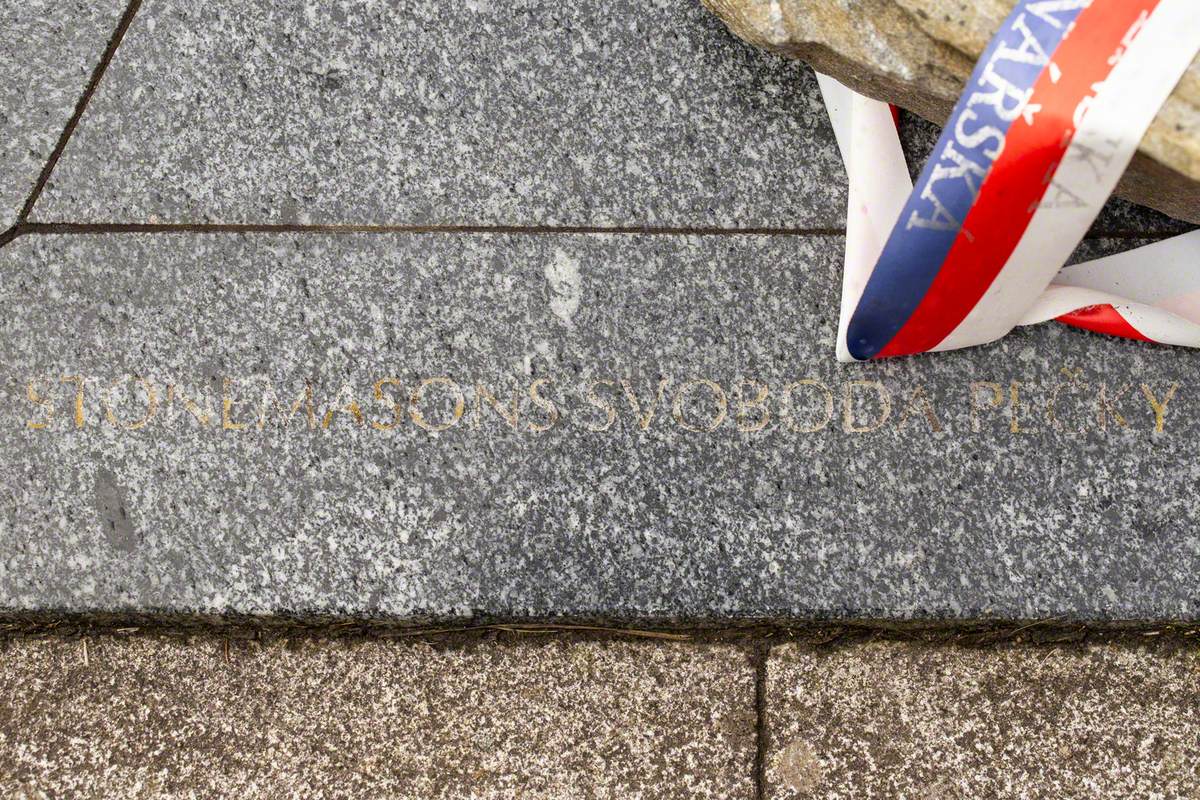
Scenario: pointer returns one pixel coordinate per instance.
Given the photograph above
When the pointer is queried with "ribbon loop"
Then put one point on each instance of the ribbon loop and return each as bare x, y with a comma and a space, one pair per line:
1048, 122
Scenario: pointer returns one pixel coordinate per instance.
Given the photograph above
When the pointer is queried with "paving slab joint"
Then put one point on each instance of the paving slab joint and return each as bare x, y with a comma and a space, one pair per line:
758, 635
80, 106
23, 228
760, 656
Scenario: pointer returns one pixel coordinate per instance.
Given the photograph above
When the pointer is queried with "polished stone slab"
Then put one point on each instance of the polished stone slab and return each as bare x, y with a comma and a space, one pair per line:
535, 113
614, 426
900, 719
150, 717
479, 113
48, 49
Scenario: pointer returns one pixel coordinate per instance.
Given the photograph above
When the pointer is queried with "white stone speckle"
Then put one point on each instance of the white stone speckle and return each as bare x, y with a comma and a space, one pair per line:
566, 286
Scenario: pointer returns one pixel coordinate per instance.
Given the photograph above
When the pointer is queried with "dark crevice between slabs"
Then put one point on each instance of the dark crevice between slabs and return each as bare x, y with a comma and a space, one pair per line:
542, 230
99, 228
759, 656
749, 632
80, 107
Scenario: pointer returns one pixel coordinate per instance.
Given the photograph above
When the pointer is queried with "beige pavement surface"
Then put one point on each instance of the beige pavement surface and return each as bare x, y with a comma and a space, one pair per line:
891, 720
552, 717
145, 717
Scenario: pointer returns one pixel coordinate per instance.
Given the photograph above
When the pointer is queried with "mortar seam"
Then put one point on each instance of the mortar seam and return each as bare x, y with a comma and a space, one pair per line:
25, 228
761, 655
81, 105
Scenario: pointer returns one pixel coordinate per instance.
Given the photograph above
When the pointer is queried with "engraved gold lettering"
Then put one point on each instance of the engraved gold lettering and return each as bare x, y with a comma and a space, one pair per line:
996, 401
270, 403
1014, 408
1105, 407
414, 401
1159, 407
78, 380
885, 404
227, 422
545, 404
758, 406
397, 408
644, 418
718, 394
919, 403
151, 403
508, 414
31, 392
343, 403
787, 412
610, 412
201, 414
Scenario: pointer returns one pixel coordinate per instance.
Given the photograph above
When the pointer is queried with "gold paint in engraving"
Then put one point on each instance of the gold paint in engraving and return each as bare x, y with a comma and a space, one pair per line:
227, 422
510, 414
1159, 407
997, 400
270, 404
1015, 406
78, 380
885, 402
718, 394
1106, 406
397, 408
788, 415
343, 403
761, 410
414, 402
201, 414
545, 404
919, 403
151, 403
34, 397
610, 412
644, 419
1072, 406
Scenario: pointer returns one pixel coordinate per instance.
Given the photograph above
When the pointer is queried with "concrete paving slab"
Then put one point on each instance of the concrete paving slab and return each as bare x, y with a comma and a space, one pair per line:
48, 49
160, 718
591, 426
898, 720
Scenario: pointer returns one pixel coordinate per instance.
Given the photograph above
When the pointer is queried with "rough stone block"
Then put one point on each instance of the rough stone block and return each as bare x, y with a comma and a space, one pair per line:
919, 54
593, 426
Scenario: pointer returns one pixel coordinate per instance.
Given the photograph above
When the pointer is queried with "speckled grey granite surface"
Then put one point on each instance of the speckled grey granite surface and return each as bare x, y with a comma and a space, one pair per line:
535, 113
48, 49
590, 498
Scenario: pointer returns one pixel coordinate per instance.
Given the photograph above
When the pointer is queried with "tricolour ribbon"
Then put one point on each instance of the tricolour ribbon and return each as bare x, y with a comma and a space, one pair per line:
1048, 122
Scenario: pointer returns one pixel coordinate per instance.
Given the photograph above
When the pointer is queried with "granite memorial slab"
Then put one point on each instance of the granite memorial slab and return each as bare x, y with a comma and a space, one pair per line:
589, 426
447, 113
595, 114
47, 53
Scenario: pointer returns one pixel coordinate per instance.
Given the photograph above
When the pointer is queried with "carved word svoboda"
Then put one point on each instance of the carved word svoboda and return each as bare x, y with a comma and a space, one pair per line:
438, 404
